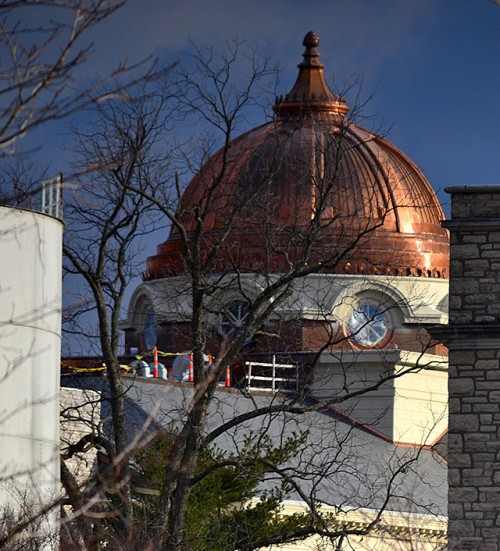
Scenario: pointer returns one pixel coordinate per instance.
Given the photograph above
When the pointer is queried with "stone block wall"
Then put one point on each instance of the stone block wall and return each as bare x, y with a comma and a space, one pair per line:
473, 339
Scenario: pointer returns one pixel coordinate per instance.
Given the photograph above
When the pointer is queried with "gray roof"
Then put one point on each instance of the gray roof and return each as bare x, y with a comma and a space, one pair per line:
341, 465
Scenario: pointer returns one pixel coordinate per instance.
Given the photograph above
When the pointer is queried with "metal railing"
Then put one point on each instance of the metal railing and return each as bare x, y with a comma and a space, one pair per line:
52, 203
271, 383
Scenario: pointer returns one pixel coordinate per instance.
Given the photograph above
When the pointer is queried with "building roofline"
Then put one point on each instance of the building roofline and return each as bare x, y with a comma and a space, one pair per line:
483, 188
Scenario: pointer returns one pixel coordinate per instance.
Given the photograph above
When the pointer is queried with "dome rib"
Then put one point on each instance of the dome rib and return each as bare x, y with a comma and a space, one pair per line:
277, 176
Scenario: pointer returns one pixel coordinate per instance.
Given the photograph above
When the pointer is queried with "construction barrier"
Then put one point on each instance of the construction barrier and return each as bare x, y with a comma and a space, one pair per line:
155, 362
190, 369
155, 369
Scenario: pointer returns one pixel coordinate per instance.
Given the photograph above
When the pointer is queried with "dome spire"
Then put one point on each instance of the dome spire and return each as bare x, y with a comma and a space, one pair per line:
310, 93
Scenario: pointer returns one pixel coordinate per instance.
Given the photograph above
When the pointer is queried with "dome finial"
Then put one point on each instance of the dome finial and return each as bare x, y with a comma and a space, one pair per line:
311, 40
311, 55
311, 93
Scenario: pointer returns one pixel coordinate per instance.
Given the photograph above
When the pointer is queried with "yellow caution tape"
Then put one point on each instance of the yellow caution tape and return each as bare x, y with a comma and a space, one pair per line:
128, 367
85, 368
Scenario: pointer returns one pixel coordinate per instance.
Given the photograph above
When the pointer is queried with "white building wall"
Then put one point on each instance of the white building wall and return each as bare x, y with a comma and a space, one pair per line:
315, 297
410, 408
30, 343
395, 531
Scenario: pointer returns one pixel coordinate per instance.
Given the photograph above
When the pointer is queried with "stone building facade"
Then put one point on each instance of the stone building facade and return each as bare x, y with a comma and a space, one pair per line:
473, 338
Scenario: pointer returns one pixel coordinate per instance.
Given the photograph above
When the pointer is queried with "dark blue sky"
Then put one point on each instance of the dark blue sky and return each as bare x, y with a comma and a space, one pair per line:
433, 66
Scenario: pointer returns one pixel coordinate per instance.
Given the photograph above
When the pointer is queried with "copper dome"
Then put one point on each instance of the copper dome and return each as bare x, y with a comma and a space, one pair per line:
312, 185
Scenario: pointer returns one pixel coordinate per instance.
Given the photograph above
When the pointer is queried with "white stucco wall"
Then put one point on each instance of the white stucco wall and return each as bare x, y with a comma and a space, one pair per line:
410, 408
317, 296
30, 343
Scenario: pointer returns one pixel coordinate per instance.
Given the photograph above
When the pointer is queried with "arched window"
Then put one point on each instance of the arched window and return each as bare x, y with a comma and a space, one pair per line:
233, 316
150, 332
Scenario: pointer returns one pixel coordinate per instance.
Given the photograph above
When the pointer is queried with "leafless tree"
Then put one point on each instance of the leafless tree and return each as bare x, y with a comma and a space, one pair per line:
43, 47
108, 224
41, 44
140, 179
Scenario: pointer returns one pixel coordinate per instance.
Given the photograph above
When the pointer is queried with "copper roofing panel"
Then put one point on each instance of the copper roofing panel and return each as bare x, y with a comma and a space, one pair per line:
312, 161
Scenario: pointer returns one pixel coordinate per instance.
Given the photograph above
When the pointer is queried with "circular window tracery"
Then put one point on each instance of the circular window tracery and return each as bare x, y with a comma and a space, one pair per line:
233, 316
369, 325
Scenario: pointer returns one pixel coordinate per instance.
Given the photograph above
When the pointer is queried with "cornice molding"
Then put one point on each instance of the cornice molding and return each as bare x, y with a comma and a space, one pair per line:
471, 224
467, 336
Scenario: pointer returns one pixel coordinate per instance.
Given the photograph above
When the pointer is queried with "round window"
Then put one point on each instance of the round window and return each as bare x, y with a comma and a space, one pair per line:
368, 325
233, 316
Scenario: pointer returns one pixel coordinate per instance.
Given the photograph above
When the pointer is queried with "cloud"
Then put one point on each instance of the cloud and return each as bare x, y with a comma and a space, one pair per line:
354, 35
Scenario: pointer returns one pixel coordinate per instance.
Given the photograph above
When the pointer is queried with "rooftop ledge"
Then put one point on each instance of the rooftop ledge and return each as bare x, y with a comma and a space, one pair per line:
471, 188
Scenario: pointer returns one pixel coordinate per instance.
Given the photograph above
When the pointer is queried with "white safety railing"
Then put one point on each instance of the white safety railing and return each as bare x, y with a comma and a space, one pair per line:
52, 197
271, 383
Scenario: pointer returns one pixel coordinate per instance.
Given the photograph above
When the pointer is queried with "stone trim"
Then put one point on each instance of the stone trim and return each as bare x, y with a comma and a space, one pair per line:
403, 526
464, 225
468, 336
485, 188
